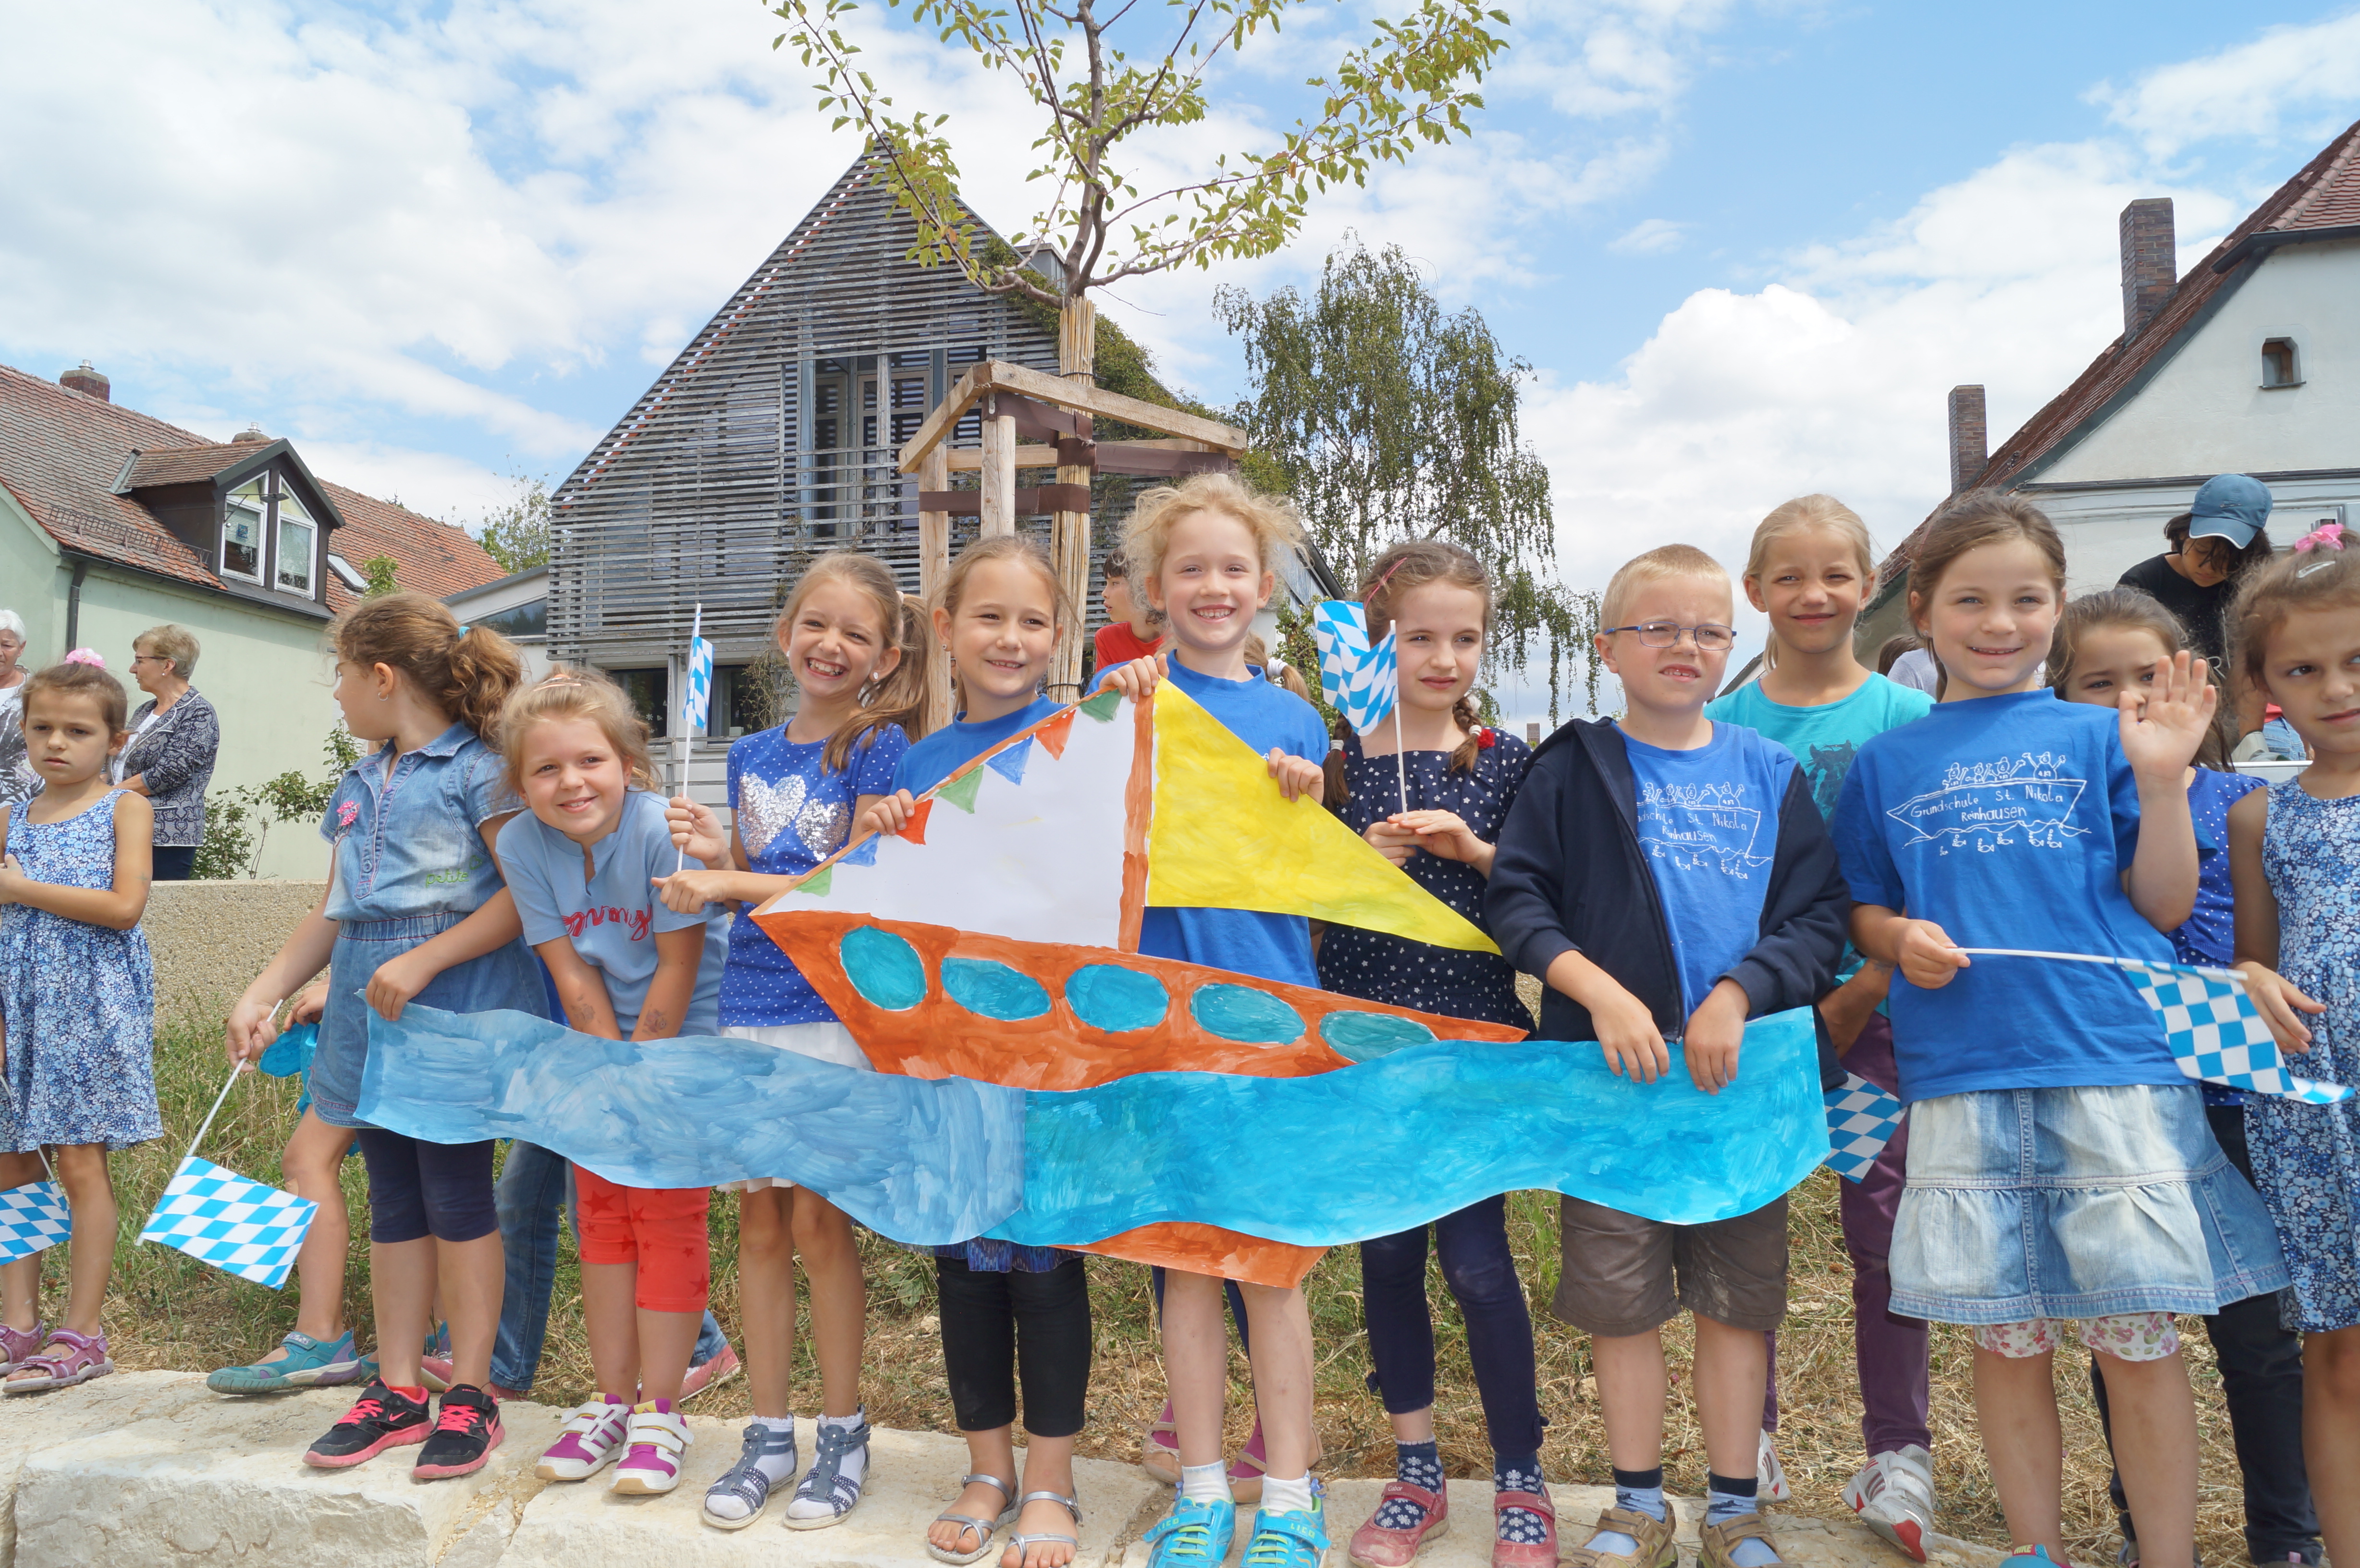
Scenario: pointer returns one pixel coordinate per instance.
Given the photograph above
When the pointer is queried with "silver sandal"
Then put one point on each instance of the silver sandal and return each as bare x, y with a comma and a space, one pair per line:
745, 1480
1070, 1504
984, 1530
827, 1482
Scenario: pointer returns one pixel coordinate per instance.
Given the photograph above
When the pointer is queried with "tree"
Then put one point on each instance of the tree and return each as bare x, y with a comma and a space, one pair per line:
380, 569
517, 534
1388, 419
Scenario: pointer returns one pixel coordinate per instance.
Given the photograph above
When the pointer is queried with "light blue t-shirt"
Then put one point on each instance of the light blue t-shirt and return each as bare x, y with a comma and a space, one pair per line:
1708, 823
792, 813
612, 916
1243, 941
2008, 821
930, 761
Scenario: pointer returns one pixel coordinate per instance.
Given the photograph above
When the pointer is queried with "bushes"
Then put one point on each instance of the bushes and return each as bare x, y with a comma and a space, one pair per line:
238, 821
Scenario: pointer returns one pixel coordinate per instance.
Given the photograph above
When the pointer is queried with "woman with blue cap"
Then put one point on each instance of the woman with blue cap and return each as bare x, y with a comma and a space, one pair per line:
2213, 544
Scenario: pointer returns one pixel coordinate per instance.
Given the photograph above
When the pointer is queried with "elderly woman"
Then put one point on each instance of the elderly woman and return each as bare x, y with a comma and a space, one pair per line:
16, 779
174, 735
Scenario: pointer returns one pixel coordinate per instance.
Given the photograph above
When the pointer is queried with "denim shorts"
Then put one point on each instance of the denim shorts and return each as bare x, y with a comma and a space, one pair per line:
2074, 1203
505, 977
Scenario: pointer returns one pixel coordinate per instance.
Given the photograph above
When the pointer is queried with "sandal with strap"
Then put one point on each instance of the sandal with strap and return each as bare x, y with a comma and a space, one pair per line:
746, 1480
1159, 1448
826, 1483
984, 1529
17, 1344
84, 1359
1717, 1541
1376, 1545
1252, 1463
1656, 1548
1022, 1543
1540, 1553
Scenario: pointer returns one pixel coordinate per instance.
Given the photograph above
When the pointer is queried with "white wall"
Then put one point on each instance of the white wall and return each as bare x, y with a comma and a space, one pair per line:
2206, 413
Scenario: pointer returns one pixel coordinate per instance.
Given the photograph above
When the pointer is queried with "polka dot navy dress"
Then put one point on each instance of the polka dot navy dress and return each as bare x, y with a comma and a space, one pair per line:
1355, 963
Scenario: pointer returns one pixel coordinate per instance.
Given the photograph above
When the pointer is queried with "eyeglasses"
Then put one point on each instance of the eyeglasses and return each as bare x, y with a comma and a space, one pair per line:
138, 657
1711, 637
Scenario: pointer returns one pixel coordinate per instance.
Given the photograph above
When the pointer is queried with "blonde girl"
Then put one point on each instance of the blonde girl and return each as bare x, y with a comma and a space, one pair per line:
415, 910
2295, 854
77, 1008
581, 860
2061, 1182
857, 651
1809, 568
1010, 1313
1205, 554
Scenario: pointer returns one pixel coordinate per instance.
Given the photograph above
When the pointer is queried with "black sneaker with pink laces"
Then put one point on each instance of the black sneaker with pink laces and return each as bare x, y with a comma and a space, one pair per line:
467, 1430
380, 1418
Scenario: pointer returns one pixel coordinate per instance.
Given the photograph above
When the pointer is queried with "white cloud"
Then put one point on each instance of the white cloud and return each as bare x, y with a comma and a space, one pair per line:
435, 484
1649, 236
2251, 90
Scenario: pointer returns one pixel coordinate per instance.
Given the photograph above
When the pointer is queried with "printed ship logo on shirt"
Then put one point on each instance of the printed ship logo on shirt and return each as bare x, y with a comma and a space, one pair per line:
1995, 805
1700, 827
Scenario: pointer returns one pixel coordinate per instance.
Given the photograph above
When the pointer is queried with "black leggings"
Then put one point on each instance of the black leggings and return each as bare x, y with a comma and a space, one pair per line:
419, 1189
994, 1323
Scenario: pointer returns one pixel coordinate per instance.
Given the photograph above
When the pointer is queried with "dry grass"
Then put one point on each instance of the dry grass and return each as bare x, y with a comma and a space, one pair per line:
168, 1310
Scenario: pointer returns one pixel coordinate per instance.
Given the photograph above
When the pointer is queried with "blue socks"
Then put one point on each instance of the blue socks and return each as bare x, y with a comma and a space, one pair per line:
1420, 1464
1642, 1492
1519, 1473
1727, 1497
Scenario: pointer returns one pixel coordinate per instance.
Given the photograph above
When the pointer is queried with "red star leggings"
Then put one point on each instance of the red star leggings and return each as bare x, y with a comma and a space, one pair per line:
662, 1230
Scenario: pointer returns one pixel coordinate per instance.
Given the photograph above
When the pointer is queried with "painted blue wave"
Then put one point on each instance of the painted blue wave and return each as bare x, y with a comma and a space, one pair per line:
1316, 1161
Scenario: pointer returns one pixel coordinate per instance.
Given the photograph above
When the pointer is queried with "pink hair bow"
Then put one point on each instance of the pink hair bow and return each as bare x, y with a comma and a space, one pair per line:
89, 655
2328, 534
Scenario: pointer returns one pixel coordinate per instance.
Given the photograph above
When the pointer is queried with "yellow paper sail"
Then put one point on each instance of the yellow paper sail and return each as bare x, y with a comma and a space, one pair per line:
1223, 838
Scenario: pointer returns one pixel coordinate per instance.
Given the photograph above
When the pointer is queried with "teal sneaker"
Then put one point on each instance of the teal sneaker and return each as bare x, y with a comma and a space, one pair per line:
1293, 1538
304, 1363
2030, 1557
1193, 1535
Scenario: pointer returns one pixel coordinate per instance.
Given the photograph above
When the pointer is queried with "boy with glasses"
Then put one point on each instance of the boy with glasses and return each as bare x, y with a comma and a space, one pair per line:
1669, 878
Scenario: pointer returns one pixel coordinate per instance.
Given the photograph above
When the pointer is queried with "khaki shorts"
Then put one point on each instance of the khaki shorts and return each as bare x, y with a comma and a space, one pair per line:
1618, 1272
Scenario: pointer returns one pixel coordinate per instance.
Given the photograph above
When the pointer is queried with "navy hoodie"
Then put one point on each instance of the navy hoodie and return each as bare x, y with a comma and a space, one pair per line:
1570, 876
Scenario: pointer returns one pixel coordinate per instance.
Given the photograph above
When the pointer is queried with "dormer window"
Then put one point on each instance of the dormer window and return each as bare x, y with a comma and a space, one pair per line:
297, 545
242, 530
265, 514
2281, 364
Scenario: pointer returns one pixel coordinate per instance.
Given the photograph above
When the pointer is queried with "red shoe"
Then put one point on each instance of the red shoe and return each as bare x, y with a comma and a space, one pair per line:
1540, 1553
708, 1374
1374, 1546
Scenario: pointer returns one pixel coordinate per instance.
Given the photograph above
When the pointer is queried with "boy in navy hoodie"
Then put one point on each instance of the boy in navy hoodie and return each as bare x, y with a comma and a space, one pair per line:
1669, 878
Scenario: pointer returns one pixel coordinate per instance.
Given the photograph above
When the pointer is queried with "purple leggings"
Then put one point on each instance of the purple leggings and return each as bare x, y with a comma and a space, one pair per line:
1889, 1352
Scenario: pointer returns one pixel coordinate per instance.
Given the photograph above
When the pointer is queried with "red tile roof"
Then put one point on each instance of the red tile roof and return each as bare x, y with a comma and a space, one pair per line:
2324, 194
62, 453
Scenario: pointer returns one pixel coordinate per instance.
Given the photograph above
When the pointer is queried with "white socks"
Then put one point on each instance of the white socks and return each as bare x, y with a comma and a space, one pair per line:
852, 1467
1206, 1483
1286, 1496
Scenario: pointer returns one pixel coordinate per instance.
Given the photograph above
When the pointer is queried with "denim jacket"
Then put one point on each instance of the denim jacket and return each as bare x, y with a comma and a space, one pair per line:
411, 844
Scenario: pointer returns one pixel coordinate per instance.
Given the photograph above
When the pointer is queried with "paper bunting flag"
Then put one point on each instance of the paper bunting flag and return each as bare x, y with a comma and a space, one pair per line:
2216, 1034
1358, 681
33, 1218
1862, 1119
242, 1227
697, 702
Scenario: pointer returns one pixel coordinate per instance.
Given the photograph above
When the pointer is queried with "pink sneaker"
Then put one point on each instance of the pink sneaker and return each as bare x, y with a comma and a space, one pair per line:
593, 1439
1380, 1546
709, 1373
657, 1440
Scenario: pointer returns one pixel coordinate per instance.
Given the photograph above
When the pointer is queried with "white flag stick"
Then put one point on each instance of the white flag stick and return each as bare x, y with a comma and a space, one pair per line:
1401, 762
208, 1125
687, 681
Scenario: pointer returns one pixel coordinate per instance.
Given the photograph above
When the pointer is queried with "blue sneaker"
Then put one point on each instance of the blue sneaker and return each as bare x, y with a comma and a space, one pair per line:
1193, 1535
2035, 1557
1293, 1538
306, 1363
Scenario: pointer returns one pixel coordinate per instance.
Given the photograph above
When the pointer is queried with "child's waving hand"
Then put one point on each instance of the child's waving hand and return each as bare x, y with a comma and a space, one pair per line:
1137, 680
697, 832
2278, 1002
890, 814
2164, 724
1296, 776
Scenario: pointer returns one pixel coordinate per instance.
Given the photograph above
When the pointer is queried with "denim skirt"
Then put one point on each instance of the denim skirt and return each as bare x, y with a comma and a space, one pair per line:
505, 977
2074, 1203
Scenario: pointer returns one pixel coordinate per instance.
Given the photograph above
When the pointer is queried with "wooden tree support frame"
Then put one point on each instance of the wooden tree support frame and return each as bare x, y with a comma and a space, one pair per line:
1059, 414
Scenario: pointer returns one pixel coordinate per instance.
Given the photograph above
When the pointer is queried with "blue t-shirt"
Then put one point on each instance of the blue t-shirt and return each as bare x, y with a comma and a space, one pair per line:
792, 813
1709, 822
930, 761
1243, 941
612, 916
2008, 821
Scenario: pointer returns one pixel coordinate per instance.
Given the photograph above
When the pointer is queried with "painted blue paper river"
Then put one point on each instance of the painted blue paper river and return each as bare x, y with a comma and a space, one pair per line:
1315, 1162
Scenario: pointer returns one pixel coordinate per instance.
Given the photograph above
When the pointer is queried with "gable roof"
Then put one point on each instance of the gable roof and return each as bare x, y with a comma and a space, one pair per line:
70, 461
2322, 202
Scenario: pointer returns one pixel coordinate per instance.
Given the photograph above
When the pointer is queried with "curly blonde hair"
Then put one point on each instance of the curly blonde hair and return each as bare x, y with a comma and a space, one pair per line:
1147, 538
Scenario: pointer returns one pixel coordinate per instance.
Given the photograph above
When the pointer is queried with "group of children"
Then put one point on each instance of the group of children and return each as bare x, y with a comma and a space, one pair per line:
1819, 838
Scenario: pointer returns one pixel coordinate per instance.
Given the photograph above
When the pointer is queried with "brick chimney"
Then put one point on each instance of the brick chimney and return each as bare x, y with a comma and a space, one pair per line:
83, 379
250, 436
2150, 262
1970, 437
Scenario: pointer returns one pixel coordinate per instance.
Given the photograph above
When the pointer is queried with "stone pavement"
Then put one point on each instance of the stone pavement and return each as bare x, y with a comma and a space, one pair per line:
147, 1467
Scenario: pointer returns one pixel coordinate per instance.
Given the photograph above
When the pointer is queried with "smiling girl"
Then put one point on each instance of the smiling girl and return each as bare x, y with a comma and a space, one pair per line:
857, 651
1460, 778
77, 1006
2062, 1182
582, 861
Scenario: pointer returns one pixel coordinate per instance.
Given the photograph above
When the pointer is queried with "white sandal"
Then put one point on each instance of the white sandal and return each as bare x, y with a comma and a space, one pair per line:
984, 1530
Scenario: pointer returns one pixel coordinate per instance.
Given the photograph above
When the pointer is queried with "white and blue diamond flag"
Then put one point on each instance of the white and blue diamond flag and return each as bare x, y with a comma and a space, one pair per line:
697, 705
1358, 681
242, 1227
1862, 1119
2217, 1036
33, 1218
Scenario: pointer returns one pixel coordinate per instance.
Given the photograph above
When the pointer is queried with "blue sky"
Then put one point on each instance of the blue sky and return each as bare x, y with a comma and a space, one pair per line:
1746, 246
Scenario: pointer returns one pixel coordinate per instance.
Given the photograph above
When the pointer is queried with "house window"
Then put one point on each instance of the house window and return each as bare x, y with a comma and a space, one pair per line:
298, 541
740, 704
650, 692
2281, 365
242, 530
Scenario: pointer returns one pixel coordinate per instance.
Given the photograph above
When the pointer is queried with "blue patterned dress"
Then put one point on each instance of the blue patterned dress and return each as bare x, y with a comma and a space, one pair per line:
78, 1000
2307, 1158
